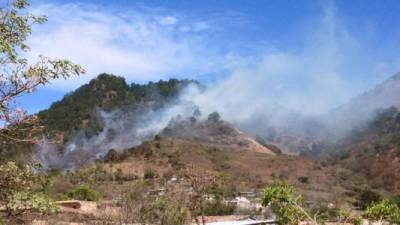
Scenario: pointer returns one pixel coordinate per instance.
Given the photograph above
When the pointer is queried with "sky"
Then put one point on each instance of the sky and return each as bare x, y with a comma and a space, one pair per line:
317, 52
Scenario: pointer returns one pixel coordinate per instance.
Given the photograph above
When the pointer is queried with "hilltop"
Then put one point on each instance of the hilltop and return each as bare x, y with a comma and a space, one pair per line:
77, 110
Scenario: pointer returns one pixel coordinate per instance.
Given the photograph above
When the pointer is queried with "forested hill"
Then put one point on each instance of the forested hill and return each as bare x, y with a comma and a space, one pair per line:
77, 110
373, 151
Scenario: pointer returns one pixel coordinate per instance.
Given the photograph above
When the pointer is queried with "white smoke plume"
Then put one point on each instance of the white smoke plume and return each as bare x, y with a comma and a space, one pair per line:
122, 129
290, 89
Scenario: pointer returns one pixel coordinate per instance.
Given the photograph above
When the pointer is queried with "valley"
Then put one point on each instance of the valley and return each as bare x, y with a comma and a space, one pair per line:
112, 155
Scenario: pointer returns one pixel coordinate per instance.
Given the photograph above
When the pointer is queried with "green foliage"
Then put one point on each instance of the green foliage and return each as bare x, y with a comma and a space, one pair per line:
107, 92
367, 197
21, 201
284, 202
84, 193
164, 211
384, 210
323, 212
396, 199
14, 178
17, 190
357, 220
18, 77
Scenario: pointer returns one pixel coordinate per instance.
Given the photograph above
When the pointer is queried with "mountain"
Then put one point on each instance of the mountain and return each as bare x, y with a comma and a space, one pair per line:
77, 110
139, 126
360, 109
365, 134
80, 113
373, 151
384, 95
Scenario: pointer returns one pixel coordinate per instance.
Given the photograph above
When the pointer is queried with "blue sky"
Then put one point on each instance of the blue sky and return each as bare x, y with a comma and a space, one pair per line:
293, 50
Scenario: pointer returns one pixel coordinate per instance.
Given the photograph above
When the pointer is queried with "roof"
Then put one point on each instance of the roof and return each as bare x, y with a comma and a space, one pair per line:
243, 222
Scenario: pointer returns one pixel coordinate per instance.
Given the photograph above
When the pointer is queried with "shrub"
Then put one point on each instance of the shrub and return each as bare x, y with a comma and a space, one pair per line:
175, 161
149, 174
324, 212
164, 211
112, 156
303, 180
218, 208
366, 198
383, 210
214, 117
284, 203
84, 193
18, 190
139, 208
119, 176
22, 201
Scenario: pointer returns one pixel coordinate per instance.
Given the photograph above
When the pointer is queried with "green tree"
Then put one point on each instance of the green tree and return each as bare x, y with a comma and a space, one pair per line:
17, 75
164, 211
84, 193
17, 191
139, 207
366, 198
286, 204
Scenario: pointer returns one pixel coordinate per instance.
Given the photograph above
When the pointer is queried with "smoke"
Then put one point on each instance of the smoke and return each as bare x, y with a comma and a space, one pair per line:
299, 89
286, 92
122, 129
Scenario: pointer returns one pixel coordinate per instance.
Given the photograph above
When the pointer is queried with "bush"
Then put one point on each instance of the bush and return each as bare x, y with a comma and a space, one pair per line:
112, 156
214, 117
383, 210
22, 201
149, 174
218, 208
366, 198
303, 180
84, 193
284, 203
18, 190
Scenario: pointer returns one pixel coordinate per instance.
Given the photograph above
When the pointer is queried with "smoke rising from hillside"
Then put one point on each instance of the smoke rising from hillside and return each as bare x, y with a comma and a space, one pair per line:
122, 129
291, 91
297, 88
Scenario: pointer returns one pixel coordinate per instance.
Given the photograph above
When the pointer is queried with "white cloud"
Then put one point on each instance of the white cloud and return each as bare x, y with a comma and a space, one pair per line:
168, 20
329, 65
140, 46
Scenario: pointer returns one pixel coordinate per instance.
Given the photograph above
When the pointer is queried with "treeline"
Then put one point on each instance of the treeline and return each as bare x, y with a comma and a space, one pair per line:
77, 110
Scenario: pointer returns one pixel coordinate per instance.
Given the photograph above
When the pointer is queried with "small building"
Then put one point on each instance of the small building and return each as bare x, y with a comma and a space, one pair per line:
242, 202
248, 194
244, 222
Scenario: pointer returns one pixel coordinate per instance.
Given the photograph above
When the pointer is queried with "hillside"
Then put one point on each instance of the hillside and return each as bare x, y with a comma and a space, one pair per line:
251, 170
77, 110
115, 138
374, 151
212, 131
361, 108
130, 127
